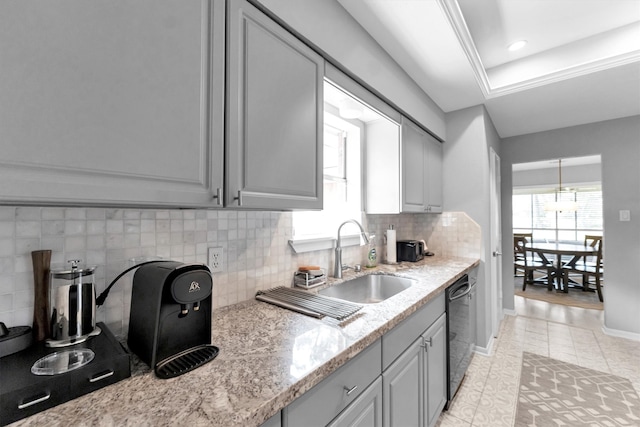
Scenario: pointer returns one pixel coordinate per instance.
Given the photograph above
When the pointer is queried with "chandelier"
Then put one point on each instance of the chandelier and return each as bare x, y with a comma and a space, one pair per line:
560, 205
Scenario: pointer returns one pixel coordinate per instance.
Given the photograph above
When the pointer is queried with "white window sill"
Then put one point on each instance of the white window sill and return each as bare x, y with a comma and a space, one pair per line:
322, 243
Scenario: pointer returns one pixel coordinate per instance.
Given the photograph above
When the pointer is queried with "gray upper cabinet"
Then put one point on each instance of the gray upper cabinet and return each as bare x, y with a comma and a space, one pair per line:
433, 174
112, 102
413, 168
421, 170
274, 115
404, 168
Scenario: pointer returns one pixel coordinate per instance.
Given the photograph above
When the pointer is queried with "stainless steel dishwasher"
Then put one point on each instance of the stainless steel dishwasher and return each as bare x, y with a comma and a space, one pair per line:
460, 326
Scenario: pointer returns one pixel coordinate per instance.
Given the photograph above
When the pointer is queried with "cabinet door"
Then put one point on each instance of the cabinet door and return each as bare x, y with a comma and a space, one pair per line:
413, 167
433, 174
435, 372
473, 318
274, 115
111, 102
365, 411
274, 421
403, 388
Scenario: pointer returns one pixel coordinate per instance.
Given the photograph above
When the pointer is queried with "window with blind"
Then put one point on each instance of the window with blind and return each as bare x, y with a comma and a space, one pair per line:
529, 214
342, 178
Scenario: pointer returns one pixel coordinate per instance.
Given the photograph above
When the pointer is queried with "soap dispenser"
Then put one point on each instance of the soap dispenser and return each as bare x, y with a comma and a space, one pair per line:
372, 255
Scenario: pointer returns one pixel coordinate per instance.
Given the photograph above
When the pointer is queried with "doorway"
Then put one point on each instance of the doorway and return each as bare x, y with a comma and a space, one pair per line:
558, 201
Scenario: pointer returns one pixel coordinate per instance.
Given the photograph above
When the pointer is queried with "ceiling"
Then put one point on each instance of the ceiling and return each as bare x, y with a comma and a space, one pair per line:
581, 63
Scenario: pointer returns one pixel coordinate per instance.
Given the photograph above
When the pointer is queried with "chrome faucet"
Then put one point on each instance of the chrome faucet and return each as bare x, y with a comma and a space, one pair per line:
338, 261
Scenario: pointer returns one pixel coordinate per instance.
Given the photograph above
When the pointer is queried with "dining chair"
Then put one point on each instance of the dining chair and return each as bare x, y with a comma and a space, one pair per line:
589, 267
528, 263
518, 250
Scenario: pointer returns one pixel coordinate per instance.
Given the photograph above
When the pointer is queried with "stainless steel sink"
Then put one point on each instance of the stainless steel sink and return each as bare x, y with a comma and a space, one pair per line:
368, 289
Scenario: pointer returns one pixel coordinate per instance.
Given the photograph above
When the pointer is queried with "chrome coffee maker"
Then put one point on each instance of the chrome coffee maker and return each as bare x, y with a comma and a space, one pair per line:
170, 320
72, 305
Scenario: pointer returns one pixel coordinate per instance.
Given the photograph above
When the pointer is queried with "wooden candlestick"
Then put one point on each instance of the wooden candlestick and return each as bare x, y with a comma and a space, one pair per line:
41, 269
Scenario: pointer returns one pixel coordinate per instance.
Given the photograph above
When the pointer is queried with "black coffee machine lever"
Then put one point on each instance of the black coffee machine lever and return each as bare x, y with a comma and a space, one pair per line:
170, 320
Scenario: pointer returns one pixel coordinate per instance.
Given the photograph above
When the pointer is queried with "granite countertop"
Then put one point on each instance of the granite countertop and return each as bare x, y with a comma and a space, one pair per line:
268, 357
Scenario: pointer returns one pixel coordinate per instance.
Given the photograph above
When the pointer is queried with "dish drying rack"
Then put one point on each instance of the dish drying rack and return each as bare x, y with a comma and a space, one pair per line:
313, 305
309, 279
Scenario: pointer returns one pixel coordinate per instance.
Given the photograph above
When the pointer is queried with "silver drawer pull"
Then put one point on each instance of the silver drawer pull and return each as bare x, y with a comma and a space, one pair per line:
100, 376
218, 196
351, 390
239, 198
426, 341
35, 401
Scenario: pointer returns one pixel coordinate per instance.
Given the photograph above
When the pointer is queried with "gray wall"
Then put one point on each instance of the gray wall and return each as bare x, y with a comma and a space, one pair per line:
329, 27
618, 142
466, 188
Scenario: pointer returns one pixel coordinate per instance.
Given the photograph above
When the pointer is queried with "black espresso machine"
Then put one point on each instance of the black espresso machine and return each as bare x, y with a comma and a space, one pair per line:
170, 320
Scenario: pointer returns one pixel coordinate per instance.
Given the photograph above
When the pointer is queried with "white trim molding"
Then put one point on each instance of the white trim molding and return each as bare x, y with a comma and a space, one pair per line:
621, 334
452, 11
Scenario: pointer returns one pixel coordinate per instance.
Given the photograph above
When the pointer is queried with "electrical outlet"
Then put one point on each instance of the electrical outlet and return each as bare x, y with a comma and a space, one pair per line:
215, 260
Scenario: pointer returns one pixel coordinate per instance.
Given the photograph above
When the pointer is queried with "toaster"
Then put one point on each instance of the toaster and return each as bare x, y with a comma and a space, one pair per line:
410, 250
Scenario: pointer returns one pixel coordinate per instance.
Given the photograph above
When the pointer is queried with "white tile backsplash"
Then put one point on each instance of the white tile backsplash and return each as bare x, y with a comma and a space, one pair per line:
255, 243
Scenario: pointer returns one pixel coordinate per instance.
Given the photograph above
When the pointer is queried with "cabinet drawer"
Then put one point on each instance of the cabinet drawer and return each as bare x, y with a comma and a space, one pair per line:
400, 338
365, 411
30, 400
323, 402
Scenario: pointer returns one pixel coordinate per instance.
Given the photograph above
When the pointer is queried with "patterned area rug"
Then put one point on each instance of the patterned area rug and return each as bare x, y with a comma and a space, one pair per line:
574, 298
556, 393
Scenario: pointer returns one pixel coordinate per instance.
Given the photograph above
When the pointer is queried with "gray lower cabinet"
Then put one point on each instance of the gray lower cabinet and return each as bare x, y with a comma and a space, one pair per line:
402, 388
274, 115
274, 421
414, 386
411, 391
338, 392
112, 103
435, 370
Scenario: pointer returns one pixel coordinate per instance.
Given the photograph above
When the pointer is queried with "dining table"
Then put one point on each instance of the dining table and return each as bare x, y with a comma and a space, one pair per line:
560, 250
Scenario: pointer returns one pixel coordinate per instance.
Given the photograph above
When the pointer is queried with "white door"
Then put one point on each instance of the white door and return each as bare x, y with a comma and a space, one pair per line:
496, 246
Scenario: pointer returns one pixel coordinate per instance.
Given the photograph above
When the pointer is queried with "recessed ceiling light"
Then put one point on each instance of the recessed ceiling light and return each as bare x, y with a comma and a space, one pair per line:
517, 45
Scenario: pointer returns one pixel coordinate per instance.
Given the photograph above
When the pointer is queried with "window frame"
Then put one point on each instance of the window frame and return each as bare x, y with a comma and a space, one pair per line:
558, 217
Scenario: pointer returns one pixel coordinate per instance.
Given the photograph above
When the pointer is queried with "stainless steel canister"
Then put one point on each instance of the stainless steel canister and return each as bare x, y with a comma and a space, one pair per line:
72, 305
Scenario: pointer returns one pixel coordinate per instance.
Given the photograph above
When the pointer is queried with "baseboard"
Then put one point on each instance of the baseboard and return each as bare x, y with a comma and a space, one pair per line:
621, 334
485, 351
509, 312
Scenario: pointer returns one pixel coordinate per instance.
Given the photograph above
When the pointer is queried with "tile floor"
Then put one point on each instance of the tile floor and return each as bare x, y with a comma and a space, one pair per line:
489, 393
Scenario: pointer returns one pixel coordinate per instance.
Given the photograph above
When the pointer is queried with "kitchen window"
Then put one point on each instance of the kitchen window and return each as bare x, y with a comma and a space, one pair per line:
348, 114
345, 122
342, 170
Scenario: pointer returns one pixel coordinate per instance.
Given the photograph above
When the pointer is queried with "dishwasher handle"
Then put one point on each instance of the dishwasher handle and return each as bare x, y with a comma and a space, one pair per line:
464, 286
